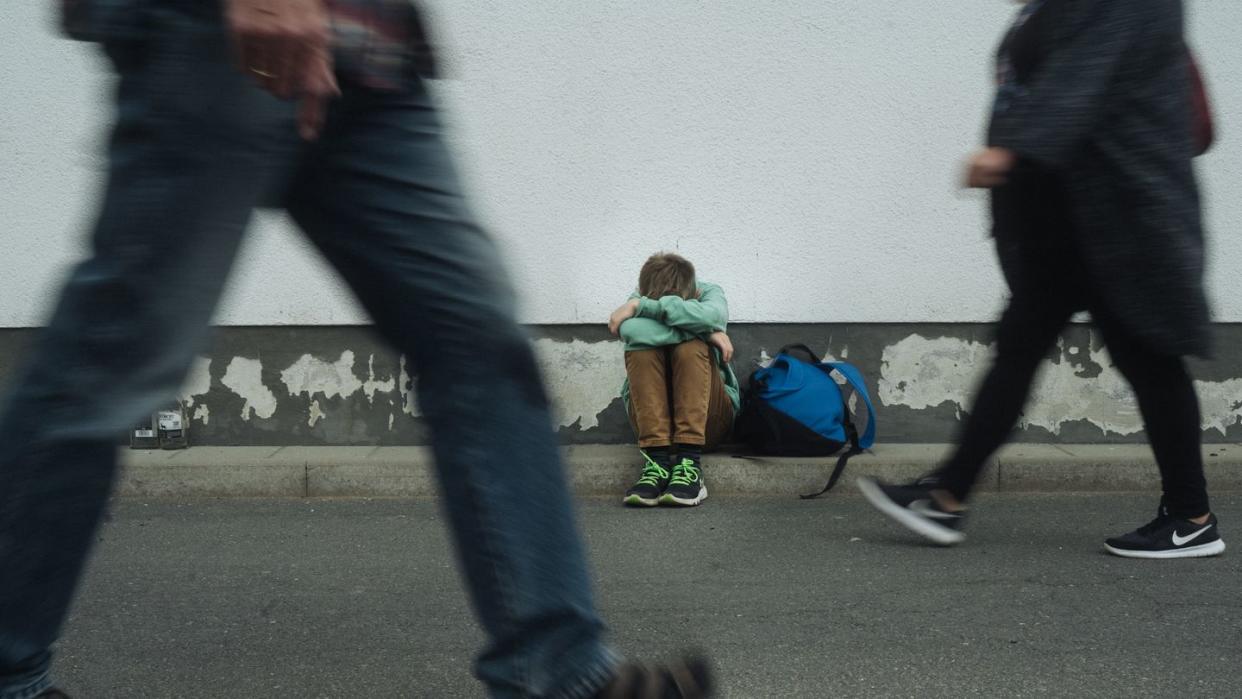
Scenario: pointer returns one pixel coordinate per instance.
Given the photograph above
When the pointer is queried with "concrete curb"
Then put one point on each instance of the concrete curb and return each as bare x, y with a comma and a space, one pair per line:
606, 470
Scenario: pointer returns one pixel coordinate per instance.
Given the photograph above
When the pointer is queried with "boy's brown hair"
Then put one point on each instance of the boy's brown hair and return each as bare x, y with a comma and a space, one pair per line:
667, 274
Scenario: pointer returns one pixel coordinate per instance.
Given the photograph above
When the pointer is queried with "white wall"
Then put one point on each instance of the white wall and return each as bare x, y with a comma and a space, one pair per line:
801, 152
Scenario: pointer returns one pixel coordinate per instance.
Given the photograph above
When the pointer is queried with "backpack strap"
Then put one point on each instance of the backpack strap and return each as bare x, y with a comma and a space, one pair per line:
858, 444
855, 448
842, 460
855, 379
810, 358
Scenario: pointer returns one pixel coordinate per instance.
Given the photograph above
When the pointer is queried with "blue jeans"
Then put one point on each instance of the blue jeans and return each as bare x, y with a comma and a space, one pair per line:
196, 148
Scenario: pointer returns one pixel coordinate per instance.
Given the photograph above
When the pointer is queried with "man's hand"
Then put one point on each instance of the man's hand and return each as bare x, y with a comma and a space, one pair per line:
318, 89
286, 46
627, 310
990, 168
721, 341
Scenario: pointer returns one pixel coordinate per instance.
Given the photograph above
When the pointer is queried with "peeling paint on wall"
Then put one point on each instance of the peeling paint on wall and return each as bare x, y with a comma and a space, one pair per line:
1221, 404
314, 413
371, 385
1064, 393
197, 382
922, 373
245, 378
1081, 385
765, 360
409, 395
360, 392
584, 378
311, 375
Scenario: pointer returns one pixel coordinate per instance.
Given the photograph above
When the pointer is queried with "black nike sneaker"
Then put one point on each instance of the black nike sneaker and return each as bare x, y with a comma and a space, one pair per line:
1167, 536
913, 507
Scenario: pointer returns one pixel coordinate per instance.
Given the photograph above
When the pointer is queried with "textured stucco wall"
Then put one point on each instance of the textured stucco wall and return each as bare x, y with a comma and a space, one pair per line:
802, 152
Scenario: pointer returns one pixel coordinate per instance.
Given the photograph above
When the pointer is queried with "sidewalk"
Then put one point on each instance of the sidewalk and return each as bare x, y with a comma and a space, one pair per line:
606, 470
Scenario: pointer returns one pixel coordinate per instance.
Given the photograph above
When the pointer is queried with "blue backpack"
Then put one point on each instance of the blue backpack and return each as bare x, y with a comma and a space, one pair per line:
800, 406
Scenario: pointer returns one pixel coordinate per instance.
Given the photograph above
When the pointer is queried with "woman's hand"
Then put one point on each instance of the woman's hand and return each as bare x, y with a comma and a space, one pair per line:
721, 341
628, 310
990, 168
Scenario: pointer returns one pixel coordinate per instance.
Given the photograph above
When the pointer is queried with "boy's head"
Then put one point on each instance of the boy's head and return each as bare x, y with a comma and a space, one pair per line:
666, 274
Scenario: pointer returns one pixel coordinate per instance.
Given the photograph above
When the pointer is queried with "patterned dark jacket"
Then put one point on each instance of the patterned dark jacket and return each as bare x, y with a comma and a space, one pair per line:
1109, 110
378, 42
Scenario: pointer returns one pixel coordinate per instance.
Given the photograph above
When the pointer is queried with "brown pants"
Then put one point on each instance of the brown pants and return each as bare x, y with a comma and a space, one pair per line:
677, 396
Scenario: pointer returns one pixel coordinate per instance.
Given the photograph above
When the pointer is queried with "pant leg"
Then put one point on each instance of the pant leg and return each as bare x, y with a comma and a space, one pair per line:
699, 398
187, 155
650, 396
720, 414
1027, 330
1170, 408
380, 198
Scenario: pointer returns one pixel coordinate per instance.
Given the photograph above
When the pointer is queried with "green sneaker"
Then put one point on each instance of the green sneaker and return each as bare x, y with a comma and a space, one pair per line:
685, 487
646, 492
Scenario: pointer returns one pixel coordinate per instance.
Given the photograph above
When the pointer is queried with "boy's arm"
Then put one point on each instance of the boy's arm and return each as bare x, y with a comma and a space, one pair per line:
702, 316
624, 312
645, 333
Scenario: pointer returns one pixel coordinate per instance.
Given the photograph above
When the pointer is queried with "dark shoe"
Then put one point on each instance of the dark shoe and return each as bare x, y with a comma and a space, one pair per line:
686, 487
914, 507
1167, 536
52, 693
646, 492
690, 678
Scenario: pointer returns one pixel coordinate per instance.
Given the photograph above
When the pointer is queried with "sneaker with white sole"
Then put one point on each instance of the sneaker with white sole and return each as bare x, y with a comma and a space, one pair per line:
685, 487
1167, 536
913, 507
650, 486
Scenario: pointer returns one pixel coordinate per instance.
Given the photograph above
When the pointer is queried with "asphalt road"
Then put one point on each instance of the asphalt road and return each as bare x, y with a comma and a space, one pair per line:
354, 598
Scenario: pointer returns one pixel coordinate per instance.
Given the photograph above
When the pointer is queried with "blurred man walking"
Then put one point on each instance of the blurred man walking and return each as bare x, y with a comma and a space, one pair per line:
211, 101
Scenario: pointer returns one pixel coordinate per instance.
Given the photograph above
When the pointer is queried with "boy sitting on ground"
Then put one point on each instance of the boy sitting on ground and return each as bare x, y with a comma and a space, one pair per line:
680, 392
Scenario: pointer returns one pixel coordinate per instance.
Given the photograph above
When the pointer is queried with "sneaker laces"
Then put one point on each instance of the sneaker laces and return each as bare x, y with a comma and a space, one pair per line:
686, 472
653, 472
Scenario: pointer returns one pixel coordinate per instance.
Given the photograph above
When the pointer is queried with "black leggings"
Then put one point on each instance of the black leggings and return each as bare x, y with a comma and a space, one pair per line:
1166, 396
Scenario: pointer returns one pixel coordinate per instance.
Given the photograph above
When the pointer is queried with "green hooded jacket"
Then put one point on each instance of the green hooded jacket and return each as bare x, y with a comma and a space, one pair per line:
672, 320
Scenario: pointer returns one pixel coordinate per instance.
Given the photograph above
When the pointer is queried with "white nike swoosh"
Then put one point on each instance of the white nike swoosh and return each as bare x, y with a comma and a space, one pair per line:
924, 508
1183, 540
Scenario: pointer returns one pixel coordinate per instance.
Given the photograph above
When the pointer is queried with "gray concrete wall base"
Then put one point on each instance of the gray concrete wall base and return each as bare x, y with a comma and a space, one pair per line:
605, 471
341, 386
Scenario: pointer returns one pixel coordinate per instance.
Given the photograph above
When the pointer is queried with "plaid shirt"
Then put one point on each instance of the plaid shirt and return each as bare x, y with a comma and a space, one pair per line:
378, 42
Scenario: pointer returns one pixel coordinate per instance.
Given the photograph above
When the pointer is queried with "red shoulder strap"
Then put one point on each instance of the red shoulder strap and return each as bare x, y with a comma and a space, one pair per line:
1204, 129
